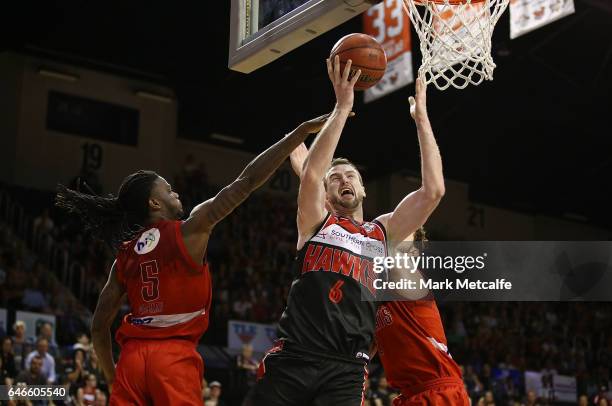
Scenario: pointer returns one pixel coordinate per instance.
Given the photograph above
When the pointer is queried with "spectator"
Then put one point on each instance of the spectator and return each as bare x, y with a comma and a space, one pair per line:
101, 399
489, 399
8, 358
88, 394
215, 394
205, 389
46, 332
242, 307
473, 384
77, 372
48, 365
603, 394
382, 391
583, 400
532, 399
34, 374
246, 370
83, 342
43, 223
22, 345
96, 369
5, 379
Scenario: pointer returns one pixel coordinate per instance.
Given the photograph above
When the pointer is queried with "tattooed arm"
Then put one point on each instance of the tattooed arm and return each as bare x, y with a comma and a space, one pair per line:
196, 229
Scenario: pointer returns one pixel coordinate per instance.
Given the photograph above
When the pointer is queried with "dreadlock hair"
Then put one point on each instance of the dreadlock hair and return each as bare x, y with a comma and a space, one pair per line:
112, 219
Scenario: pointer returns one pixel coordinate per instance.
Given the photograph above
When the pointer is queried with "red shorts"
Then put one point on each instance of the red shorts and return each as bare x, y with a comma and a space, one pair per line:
160, 372
441, 392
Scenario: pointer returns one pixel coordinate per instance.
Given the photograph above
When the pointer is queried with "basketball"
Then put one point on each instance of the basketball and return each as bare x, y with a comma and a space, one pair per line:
366, 53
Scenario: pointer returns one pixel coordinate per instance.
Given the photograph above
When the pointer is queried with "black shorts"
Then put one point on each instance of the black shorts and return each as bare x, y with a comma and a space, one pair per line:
288, 377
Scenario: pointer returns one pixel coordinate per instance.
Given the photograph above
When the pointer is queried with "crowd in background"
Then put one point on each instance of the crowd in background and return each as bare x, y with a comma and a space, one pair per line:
251, 255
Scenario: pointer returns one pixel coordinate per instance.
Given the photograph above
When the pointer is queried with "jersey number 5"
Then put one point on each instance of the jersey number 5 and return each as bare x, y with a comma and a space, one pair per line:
150, 280
335, 294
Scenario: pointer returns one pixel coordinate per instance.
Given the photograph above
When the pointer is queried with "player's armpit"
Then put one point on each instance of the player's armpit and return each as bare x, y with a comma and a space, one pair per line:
104, 315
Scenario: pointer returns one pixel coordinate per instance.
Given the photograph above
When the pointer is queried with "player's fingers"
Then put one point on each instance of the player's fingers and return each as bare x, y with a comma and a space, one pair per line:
347, 70
356, 77
423, 90
330, 71
412, 103
418, 85
337, 68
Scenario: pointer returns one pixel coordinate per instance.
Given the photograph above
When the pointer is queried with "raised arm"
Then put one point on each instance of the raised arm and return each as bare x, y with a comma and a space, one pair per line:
104, 315
311, 197
203, 218
415, 209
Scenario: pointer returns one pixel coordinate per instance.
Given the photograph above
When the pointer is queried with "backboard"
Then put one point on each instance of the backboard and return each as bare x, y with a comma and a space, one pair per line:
264, 30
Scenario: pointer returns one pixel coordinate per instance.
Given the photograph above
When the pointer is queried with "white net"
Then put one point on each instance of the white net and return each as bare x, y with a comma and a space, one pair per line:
455, 39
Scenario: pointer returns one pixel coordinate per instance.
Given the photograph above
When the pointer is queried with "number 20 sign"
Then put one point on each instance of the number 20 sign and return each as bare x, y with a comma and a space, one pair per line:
390, 25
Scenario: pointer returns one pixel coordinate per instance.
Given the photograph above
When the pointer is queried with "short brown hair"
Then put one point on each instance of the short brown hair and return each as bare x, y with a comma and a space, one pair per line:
342, 161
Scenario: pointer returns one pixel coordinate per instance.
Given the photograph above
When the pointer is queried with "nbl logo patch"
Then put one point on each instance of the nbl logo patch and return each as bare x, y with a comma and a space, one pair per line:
147, 241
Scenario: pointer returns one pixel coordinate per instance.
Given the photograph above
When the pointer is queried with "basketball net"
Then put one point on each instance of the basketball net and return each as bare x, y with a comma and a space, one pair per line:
455, 39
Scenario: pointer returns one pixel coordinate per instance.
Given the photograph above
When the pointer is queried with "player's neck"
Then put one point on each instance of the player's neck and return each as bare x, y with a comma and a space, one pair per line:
355, 214
157, 217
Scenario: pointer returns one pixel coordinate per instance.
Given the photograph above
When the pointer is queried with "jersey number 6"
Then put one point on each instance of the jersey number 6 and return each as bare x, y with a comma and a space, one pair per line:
150, 280
335, 294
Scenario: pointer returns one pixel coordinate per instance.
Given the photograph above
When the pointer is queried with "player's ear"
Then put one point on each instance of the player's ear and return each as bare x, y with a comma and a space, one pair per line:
154, 204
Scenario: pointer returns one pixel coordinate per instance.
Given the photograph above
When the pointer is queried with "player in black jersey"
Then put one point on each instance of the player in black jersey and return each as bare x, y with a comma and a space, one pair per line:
326, 329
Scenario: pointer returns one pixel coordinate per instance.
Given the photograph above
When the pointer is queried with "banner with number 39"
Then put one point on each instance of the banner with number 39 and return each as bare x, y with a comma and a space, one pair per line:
390, 25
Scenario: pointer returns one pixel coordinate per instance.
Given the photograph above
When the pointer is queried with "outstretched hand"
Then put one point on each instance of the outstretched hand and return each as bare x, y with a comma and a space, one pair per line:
343, 82
418, 104
315, 125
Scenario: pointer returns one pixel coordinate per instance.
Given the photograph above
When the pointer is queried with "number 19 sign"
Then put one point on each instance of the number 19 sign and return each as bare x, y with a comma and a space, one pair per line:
390, 25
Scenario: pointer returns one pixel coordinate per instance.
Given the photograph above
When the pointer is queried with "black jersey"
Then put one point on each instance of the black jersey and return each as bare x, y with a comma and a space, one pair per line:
330, 308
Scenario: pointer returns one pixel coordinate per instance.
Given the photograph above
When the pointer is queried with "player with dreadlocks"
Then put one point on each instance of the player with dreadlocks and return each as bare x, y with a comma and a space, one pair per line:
163, 271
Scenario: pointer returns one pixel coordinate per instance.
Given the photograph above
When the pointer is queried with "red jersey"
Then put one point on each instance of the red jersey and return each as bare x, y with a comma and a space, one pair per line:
412, 345
169, 293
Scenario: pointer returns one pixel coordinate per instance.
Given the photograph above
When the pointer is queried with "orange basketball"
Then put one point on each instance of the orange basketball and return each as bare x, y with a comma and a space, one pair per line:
366, 53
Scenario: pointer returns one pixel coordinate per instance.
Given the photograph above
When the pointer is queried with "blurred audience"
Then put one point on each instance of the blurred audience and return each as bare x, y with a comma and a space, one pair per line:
495, 343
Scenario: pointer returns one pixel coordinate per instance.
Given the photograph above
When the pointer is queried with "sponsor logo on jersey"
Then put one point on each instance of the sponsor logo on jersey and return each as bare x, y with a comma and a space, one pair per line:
369, 227
335, 249
147, 241
327, 259
139, 321
362, 355
357, 243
